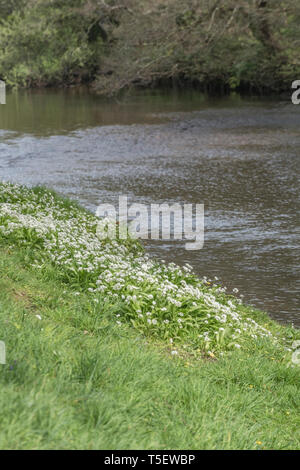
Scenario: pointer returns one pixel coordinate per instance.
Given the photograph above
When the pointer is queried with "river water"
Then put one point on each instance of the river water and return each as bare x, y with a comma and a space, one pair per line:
238, 156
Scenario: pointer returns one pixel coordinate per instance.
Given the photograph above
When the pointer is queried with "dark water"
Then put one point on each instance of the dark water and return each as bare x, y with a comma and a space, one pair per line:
240, 157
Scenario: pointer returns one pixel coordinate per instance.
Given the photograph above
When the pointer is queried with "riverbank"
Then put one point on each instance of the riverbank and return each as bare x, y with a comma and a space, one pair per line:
166, 360
229, 153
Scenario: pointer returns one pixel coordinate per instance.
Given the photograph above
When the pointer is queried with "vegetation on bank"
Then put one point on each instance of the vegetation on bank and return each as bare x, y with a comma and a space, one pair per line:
88, 368
115, 44
159, 300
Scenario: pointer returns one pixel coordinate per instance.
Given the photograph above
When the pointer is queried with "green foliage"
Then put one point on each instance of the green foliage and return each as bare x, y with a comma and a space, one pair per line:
73, 380
121, 43
164, 302
46, 43
8, 6
219, 45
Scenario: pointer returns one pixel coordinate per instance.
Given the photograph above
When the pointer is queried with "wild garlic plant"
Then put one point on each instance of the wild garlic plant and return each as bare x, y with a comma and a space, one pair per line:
158, 299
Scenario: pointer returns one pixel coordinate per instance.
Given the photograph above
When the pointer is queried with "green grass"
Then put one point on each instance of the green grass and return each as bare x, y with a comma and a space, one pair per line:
74, 380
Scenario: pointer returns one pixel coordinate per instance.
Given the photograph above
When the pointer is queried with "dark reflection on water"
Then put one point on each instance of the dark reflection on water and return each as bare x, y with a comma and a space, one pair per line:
239, 157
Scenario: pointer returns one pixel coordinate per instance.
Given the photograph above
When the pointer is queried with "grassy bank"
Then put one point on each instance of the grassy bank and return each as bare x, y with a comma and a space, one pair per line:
88, 368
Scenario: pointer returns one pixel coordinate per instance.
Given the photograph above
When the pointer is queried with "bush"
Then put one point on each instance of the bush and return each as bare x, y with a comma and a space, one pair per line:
46, 43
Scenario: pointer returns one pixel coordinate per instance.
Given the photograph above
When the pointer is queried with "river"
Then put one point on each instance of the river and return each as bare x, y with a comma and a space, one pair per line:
238, 156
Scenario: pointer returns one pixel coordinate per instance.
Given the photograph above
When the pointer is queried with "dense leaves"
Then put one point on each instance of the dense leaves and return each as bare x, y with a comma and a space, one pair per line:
46, 43
217, 44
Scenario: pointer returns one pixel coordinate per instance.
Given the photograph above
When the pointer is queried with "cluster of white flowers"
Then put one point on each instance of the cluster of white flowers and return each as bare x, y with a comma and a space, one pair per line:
157, 298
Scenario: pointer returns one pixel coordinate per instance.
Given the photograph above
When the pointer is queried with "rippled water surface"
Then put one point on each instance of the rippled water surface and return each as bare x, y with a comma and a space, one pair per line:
240, 157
